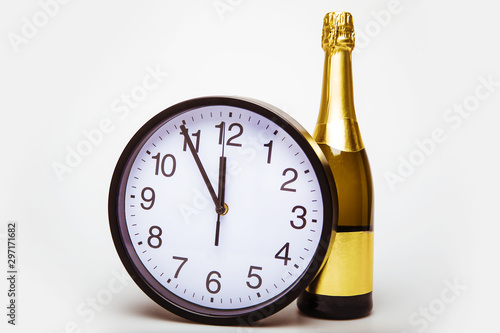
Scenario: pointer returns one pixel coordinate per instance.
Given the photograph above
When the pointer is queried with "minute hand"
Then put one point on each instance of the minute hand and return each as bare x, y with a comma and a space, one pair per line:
184, 132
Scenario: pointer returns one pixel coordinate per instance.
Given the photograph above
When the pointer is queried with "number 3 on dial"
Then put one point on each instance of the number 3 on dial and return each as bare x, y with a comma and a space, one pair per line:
237, 195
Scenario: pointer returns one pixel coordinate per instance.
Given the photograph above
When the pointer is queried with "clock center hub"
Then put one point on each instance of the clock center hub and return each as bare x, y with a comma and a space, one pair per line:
222, 210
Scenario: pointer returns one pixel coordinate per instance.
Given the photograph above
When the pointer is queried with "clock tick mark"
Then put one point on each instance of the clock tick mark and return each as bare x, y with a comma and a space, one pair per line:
296, 153
155, 267
296, 266
282, 278
275, 132
313, 190
143, 160
148, 152
258, 295
168, 281
132, 196
268, 127
290, 273
176, 286
139, 169
211, 299
161, 137
230, 114
249, 297
192, 118
290, 146
302, 162
249, 118
306, 249
312, 230
275, 286
149, 259
134, 224
310, 240
307, 171
201, 116
267, 291
315, 210
211, 115
239, 116
258, 123
301, 258
153, 145
283, 138
140, 243
161, 274
314, 220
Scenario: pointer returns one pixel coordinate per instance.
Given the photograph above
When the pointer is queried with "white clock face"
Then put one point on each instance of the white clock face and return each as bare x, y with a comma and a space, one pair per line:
221, 207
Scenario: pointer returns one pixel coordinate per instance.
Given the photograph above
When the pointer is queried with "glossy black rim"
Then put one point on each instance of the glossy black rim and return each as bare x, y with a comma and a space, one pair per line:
161, 295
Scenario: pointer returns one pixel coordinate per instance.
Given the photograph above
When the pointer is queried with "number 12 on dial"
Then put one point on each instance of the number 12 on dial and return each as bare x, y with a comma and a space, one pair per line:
222, 209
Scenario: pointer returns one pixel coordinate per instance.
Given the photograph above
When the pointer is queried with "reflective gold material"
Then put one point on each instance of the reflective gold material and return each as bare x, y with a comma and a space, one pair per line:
338, 29
343, 288
349, 271
337, 124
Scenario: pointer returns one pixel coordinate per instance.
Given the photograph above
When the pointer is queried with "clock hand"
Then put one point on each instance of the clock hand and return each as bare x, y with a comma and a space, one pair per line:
222, 207
184, 132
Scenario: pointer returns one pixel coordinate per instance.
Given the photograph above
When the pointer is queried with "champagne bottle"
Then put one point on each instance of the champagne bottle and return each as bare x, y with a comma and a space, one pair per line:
343, 288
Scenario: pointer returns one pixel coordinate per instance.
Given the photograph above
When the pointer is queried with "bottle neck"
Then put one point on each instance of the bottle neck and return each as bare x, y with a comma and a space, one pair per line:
337, 125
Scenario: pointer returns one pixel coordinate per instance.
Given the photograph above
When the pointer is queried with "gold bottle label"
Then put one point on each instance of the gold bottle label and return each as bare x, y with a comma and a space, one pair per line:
349, 269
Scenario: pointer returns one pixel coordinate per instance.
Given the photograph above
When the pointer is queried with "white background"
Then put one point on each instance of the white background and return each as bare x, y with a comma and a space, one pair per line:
437, 226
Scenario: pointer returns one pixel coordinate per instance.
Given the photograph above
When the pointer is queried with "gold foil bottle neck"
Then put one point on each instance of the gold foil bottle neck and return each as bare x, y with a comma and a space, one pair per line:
337, 125
338, 30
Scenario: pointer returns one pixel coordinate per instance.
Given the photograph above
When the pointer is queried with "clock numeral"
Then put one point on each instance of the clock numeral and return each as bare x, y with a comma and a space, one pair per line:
230, 140
294, 178
229, 143
300, 217
150, 198
197, 143
154, 239
270, 146
285, 256
184, 260
163, 160
251, 275
211, 282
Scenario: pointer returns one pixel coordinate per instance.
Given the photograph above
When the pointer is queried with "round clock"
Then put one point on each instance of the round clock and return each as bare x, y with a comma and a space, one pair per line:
222, 209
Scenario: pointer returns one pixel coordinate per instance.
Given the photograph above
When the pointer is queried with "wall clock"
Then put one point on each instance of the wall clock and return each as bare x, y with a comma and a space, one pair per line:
222, 209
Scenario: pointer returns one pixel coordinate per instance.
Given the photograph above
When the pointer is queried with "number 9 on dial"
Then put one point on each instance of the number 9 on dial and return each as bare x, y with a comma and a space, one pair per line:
222, 209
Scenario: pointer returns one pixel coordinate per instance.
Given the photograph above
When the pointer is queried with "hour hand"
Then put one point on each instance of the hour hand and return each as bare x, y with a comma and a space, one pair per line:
221, 208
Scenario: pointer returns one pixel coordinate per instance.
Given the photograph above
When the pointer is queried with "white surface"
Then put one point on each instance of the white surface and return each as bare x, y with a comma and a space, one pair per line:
437, 228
